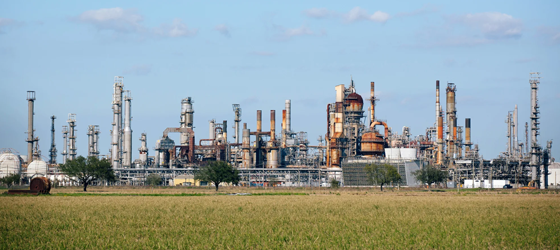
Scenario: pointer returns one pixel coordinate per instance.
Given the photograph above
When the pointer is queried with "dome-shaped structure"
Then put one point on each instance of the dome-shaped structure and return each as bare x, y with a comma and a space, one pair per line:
37, 167
10, 163
354, 102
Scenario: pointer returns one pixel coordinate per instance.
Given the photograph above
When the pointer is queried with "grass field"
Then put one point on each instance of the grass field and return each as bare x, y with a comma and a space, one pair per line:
318, 219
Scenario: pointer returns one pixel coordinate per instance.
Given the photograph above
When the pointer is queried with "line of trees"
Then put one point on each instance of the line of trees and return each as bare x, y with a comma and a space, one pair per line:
10, 179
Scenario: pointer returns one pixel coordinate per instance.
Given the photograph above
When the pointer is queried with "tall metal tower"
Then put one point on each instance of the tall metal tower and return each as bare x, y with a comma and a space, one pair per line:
53, 145
116, 135
30, 113
65, 139
72, 151
237, 111
535, 148
127, 133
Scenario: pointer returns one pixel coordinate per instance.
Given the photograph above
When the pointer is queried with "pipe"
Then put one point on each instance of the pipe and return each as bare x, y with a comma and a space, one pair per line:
259, 120
384, 125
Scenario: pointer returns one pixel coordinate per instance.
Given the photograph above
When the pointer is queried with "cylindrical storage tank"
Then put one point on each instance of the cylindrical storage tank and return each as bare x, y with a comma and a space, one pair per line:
408, 153
37, 168
372, 144
392, 153
9, 164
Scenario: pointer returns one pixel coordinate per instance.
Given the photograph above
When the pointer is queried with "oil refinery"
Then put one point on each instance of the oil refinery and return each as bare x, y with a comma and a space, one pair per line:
354, 136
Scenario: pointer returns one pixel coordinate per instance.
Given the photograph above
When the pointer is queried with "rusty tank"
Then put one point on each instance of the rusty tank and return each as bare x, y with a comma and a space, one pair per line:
373, 144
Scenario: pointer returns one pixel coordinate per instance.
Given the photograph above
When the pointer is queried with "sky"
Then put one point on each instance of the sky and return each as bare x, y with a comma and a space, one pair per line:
259, 53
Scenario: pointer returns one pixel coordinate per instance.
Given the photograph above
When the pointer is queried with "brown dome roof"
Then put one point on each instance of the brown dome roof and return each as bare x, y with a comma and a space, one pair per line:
354, 98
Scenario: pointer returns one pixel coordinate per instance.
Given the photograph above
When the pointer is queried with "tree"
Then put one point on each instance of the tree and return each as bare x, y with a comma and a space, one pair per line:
153, 180
381, 174
334, 183
429, 175
10, 179
218, 172
88, 170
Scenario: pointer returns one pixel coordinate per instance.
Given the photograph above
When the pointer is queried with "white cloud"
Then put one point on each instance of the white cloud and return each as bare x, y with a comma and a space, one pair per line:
223, 29
176, 29
359, 14
116, 19
142, 69
356, 14
318, 13
303, 30
493, 25
122, 20
287, 33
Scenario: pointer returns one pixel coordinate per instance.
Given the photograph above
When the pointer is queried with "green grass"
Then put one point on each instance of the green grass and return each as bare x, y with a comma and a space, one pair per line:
279, 219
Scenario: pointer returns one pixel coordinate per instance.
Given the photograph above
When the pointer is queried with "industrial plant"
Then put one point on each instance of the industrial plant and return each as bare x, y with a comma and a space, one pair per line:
353, 138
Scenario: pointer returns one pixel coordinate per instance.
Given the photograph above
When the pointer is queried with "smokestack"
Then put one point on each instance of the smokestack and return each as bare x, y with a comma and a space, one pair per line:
468, 133
273, 125
224, 127
212, 127
259, 120
30, 113
372, 107
438, 106
288, 115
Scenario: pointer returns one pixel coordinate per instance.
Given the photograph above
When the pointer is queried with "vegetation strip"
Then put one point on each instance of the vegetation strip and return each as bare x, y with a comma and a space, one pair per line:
181, 194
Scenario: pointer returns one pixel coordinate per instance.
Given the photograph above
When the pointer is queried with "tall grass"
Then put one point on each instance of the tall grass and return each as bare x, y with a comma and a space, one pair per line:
349, 220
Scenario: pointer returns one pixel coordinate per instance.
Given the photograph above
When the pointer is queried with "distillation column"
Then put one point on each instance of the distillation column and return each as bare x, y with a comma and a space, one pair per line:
72, 136
451, 119
116, 131
535, 80
272, 159
96, 141
53, 145
516, 151
246, 147
65, 138
186, 118
237, 111
30, 113
143, 150
127, 149
90, 140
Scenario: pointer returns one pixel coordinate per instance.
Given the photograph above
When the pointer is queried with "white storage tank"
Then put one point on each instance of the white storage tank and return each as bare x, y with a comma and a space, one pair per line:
392, 153
37, 168
10, 163
408, 153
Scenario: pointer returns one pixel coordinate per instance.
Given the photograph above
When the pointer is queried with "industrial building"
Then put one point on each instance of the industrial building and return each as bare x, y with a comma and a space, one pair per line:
354, 138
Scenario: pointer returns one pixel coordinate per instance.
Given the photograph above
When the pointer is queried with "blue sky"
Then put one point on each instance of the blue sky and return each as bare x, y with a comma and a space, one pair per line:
259, 54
